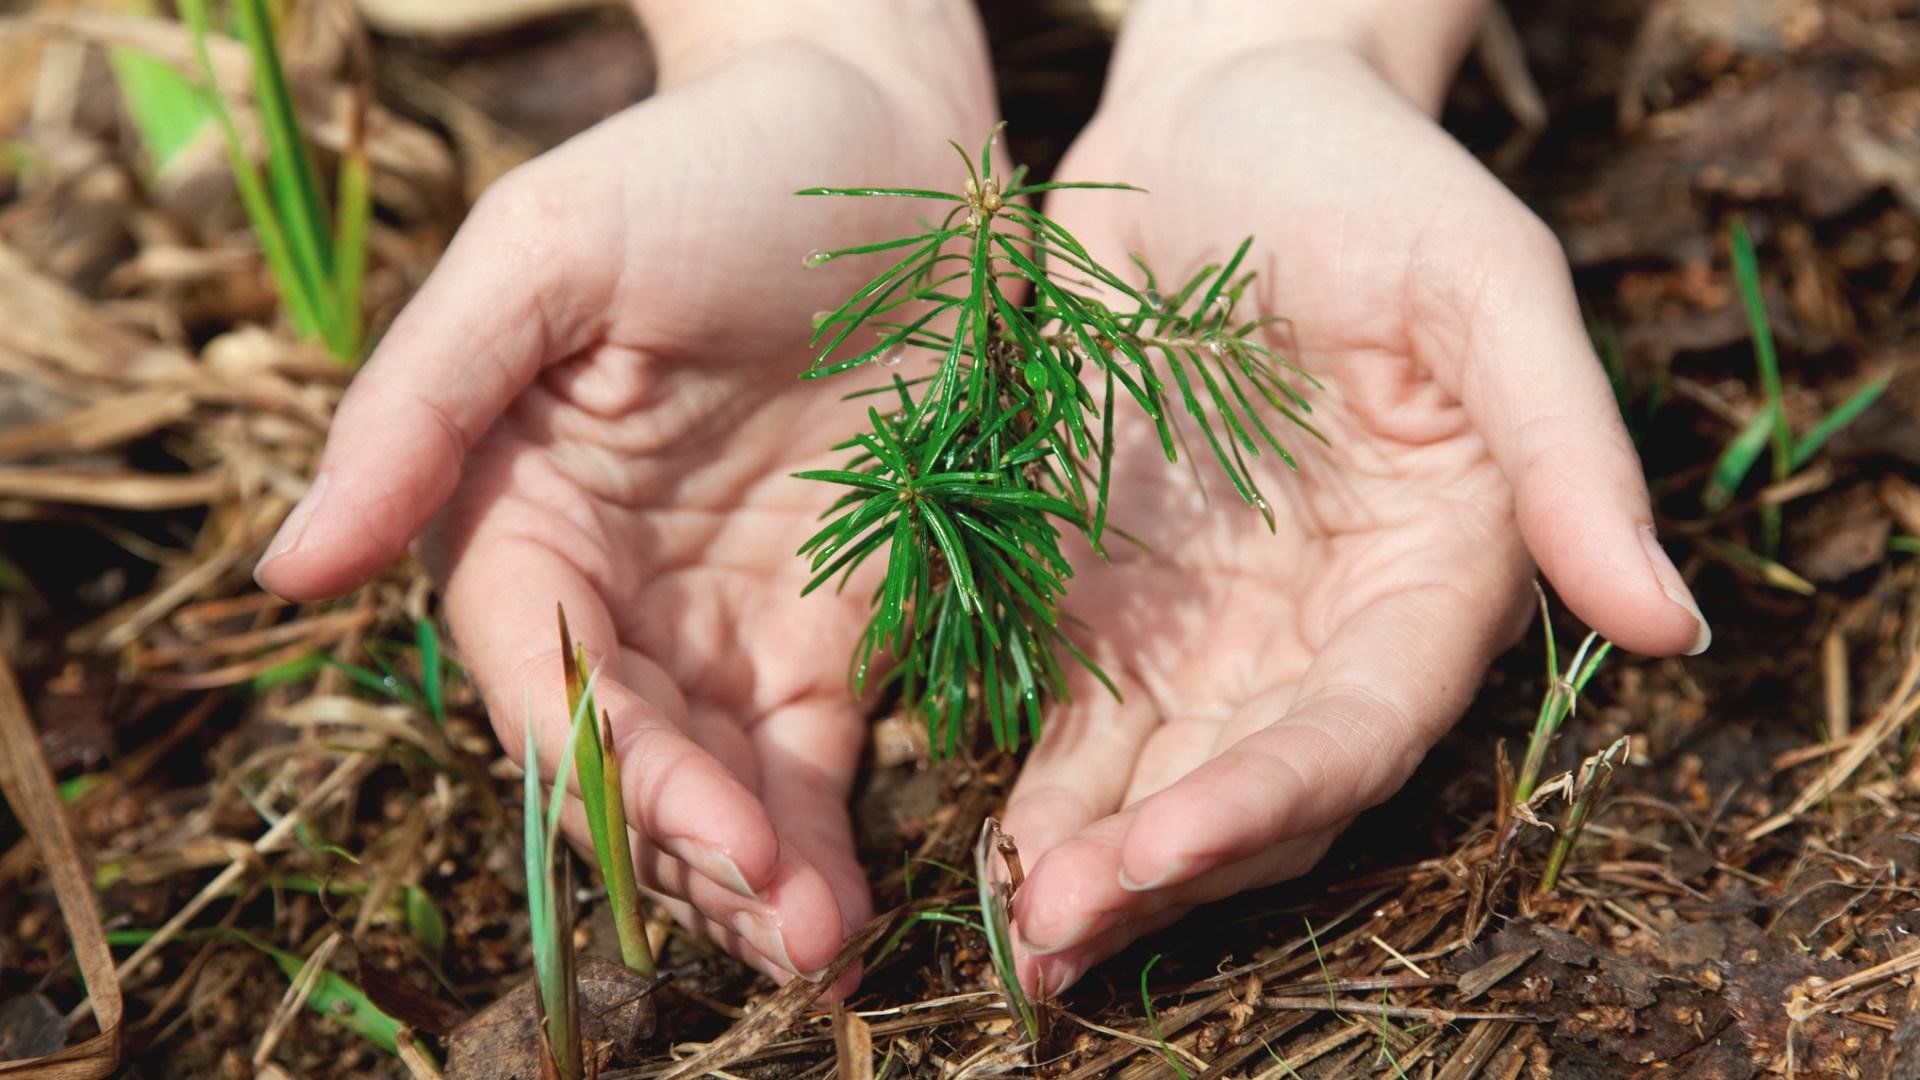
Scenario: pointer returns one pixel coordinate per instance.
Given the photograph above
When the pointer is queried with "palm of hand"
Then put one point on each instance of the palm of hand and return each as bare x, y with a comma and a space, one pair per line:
1276, 685
667, 528
600, 386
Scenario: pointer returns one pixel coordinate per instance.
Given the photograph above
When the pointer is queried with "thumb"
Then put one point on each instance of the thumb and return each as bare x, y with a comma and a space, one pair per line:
1537, 394
525, 282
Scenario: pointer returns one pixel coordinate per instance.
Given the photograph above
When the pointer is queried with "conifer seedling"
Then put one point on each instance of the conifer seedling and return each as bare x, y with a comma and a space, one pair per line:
979, 457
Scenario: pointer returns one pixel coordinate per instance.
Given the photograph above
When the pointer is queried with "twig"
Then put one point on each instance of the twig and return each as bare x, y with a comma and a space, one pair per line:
1395, 953
28, 787
1815, 994
1393, 1012
295, 998
1140, 1041
1899, 707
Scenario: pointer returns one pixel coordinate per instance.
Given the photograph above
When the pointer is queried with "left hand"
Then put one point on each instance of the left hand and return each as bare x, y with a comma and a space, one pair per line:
1276, 686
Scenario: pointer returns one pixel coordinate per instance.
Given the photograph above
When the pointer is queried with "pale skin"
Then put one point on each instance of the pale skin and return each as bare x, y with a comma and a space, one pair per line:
592, 401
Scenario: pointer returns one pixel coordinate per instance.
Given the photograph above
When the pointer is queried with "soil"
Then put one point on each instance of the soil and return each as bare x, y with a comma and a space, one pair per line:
1741, 903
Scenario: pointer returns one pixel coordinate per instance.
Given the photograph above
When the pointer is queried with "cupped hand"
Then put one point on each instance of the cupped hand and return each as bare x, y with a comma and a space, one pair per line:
1276, 685
594, 401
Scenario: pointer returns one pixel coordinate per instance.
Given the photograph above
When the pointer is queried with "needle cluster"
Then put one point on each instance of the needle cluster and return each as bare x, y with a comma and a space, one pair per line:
972, 469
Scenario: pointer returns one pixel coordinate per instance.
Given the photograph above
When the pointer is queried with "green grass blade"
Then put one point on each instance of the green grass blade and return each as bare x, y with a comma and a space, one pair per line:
433, 674
1843, 414
547, 904
616, 863
424, 921
598, 769
353, 194
1736, 461
1746, 271
166, 108
253, 191
334, 996
290, 172
1153, 1023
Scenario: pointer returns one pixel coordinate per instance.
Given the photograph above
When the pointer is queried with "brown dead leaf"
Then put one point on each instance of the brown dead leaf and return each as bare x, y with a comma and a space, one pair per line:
504, 1040
29, 789
1848, 535
412, 1006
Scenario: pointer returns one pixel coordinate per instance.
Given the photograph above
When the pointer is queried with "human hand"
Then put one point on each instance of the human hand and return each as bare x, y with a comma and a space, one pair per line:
1275, 686
595, 400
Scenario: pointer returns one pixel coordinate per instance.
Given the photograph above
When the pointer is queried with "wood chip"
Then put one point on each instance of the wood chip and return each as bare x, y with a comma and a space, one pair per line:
1488, 975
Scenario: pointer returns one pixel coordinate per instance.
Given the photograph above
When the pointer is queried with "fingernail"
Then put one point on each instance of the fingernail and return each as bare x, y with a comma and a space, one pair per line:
1056, 978
1074, 935
718, 866
764, 934
294, 527
1157, 881
1676, 589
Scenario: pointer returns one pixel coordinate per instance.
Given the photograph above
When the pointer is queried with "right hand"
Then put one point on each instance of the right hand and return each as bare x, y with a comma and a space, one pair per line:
594, 400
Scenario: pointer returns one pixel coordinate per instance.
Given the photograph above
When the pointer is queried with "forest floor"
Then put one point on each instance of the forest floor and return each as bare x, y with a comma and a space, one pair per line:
1742, 901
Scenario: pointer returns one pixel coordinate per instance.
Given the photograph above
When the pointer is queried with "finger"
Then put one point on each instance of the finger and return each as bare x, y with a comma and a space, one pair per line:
810, 751
526, 281
1078, 886
500, 591
1537, 394
1386, 685
1053, 974
1077, 772
793, 928
740, 948
1136, 914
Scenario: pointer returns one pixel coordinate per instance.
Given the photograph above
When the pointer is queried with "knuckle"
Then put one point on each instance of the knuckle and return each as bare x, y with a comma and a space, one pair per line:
519, 203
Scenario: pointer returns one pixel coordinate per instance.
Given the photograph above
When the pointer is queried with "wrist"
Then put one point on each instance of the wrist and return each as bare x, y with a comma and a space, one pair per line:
936, 43
1414, 44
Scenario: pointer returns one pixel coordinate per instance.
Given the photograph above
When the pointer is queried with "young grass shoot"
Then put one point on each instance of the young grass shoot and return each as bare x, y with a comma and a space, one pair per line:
318, 259
1559, 702
598, 769
972, 468
1768, 428
549, 898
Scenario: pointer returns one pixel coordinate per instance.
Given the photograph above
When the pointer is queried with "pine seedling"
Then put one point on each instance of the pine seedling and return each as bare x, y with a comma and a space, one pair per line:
598, 768
969, 476
549, 901
1558, 703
